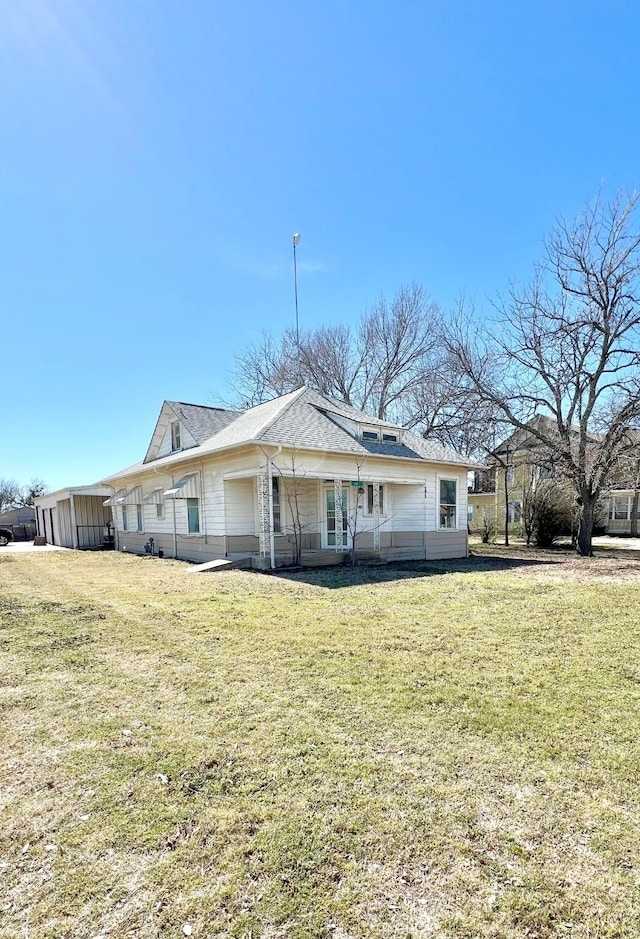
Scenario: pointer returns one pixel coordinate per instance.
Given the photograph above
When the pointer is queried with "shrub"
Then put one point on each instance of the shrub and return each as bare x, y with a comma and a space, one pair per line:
554, 517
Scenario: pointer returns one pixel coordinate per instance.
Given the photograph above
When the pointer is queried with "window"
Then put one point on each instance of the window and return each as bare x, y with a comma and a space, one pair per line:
139, 517
621, 507
448, 503
370, 435
193, 516
515, 513
370, 499
389, 438
159, 509
175, 435
277, 513
125, 521
511, 475
469, 513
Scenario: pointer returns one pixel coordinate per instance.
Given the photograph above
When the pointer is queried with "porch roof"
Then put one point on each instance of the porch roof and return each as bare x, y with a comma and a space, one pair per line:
364, 477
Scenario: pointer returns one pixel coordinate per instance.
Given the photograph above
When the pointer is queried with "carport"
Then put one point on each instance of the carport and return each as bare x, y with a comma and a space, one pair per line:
76, 517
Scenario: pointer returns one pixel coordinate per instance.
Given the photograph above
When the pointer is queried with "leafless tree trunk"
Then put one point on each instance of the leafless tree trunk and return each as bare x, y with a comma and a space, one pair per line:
568, 347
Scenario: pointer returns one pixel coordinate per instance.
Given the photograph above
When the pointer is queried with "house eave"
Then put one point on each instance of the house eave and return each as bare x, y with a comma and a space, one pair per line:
195, 454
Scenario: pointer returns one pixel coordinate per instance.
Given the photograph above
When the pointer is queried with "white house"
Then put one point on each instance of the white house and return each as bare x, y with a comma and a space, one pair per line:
301, 477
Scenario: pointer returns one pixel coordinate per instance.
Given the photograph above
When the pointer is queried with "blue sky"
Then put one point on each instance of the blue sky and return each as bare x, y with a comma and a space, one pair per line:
158, 156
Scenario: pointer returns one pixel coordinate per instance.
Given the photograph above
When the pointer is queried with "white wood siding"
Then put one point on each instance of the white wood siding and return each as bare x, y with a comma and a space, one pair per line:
408, 507
240, 506
306, 491
213, 503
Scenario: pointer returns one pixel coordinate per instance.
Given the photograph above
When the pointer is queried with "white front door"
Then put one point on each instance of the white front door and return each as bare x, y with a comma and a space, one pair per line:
333, 538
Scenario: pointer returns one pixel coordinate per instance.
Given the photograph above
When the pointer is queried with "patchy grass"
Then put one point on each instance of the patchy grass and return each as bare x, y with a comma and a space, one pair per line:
446, 750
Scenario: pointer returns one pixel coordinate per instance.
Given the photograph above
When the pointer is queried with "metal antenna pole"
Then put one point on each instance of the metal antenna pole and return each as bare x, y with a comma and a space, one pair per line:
296, 242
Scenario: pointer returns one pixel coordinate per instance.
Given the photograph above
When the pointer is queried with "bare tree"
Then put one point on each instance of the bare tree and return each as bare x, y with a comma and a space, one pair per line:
29, 492
292, 480
14, 495
373, 367
568, 346
9, 494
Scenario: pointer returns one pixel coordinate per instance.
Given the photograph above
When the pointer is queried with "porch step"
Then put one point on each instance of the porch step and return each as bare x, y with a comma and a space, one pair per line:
220, 564
324, 558
369, 560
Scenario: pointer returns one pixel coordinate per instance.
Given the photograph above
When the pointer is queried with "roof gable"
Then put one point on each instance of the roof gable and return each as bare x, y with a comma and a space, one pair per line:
197, 423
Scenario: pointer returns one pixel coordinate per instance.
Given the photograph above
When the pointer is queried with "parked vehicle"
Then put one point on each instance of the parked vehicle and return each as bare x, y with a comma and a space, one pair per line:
6, 535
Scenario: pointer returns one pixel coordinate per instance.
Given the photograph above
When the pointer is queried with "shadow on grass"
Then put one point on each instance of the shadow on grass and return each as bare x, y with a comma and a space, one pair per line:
334, 578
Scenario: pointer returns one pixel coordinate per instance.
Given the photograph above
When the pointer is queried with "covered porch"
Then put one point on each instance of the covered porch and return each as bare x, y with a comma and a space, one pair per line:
311, 519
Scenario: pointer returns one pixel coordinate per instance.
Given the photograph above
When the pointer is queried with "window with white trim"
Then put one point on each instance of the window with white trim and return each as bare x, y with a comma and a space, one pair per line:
125, 520
175, 435
159, 509
511, 475
621, 508
448, 503
370, 435
193, 516
139, 517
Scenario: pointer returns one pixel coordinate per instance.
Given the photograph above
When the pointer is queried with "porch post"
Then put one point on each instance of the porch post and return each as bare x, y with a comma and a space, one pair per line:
73, 521
376, 516
264, 512
337, 498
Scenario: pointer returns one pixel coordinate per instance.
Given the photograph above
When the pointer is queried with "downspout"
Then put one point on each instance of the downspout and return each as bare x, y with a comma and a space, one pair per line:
175, 529
173, 501
202, 503
426, 514
466, 521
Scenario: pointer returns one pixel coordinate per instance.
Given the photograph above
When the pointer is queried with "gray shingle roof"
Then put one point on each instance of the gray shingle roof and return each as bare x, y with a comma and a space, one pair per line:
303, 418
202, 422
308, 421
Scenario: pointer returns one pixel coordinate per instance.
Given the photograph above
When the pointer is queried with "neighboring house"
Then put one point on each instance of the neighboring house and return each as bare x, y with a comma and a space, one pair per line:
520, 463
623, 512
21, 521
514, 469
75, 517
300, 472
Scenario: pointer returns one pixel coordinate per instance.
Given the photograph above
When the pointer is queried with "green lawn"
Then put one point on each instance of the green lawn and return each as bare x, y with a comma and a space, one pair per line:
446, 751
